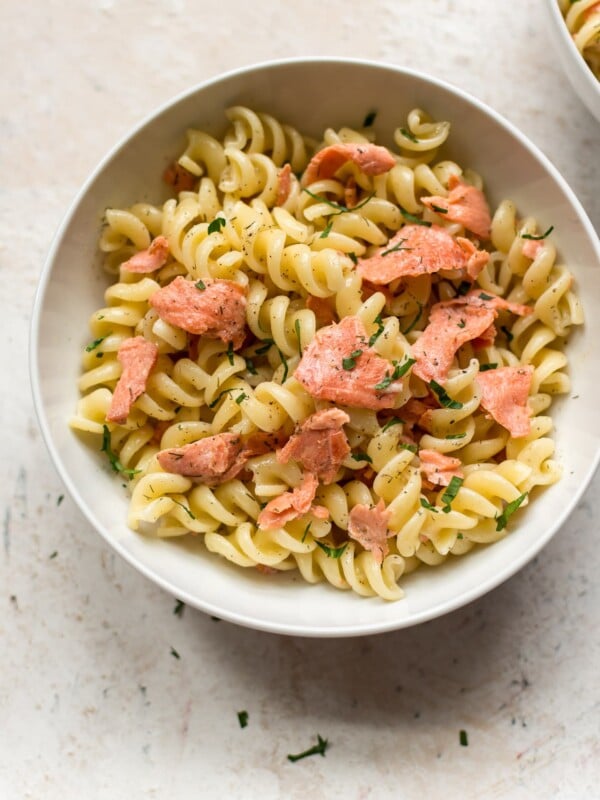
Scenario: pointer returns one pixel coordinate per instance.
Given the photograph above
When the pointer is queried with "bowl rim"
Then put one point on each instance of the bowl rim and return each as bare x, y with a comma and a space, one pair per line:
244, 618
591, 83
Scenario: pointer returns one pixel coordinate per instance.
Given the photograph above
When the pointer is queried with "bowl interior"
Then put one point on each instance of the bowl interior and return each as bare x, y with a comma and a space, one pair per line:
311, 95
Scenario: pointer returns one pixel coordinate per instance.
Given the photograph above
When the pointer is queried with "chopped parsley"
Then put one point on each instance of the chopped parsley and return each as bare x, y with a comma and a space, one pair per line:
216, 225
463, 738
502, 519
265, 347
455, 436
93, 345
538, 238
399, 371
507, 333
361, 457
339, 209
486, 367
443, 397
485, 296
61, 497
461, 324
451, 492
298, 336
317, 750
250, 366
306, 530
409, 135
240, 398
243, 718
392, 421
230, 353
331, 552
178, 608
369, 119
219, 396
53, 554
415, 320
411, 218
353, 258
350, 362
396, 248
426, 504
185, 508
200, 285
112, 457
380, 328
407, 446
439, 209
175, 654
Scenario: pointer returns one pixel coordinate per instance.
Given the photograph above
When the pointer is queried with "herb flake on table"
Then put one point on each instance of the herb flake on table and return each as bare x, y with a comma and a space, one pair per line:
175, 654
369, 119
242, 718
178, 608
316, 750
463, 738
61, 497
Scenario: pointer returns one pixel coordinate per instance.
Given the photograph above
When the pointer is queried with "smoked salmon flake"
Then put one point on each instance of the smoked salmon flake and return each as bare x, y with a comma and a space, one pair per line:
504, 393
213, 460
418, 250
451, 324
372, 159
369, 527
466, 205
319, 444
216, 309
151, 259
284, 184
438, 468
291, 505
137, 357
340, 366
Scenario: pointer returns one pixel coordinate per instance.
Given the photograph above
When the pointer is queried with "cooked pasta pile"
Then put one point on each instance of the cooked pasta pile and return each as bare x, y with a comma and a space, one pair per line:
309, 430
582, 18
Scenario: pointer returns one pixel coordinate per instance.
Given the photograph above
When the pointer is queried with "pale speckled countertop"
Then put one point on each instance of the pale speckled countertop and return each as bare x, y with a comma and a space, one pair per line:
93, 703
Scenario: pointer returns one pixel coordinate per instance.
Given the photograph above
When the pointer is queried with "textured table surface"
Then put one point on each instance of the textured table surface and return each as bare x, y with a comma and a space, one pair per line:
93, 701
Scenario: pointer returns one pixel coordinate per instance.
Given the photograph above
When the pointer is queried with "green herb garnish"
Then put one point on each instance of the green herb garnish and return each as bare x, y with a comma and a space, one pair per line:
426, 504
230, 353
380, 328
353, 258
402, 369
61, 497
485, 367
455, 436
411, 218
216, 225
507, 333
317, 750
392, 421
537, 238
443, 396
463, 739
451, 492
306, 530
369, 119
396, 248
265, 347
327, 229
200, 285
461, 324
406, 446
185, 508
93, 345
175, 654
350, 362
178, 608
409, 135
243, 718
339, 209
112, 457
53, 554
485, 296
415, 320
250, 366
298, 336
331, 552
439, 209
240, 398
502, 519
361, 457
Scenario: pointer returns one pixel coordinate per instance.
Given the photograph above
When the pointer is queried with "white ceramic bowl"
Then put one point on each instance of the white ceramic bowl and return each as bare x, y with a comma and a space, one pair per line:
581, 77
310, 94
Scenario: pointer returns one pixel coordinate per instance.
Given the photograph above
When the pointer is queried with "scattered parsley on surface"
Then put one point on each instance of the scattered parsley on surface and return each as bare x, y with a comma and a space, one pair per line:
316, 750
178, 608
463, 738
243, 718
216, 225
